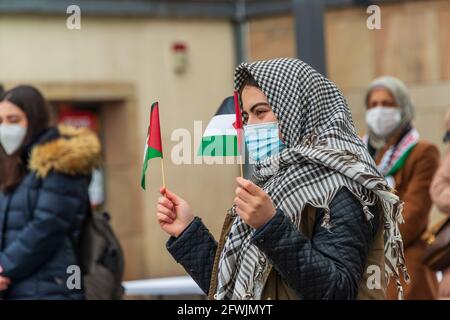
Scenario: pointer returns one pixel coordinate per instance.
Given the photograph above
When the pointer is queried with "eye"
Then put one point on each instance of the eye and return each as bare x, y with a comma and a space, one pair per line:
259, 112
13, 119
388, 103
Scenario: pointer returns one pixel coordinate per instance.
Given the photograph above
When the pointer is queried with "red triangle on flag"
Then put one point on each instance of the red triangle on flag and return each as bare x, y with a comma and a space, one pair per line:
238, 123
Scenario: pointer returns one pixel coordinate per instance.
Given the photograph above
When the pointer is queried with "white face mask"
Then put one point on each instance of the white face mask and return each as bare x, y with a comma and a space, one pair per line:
383, 120
11, 137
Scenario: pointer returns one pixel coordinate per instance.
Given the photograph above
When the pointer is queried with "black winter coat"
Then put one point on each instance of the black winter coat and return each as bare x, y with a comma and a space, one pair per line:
329, 266
41, 217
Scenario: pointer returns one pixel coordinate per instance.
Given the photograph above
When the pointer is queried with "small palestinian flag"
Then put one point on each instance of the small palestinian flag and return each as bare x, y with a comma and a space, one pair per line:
153, 147
221, 135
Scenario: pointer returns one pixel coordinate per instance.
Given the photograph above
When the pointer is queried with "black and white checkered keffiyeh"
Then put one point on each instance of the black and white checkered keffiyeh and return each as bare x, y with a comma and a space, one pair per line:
323, 153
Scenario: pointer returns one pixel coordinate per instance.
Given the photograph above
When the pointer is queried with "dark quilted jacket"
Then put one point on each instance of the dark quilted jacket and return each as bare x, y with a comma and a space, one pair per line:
35, 221
329, 266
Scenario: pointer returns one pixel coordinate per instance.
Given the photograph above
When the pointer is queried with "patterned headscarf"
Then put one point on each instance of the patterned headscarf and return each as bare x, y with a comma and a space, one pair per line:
322, 155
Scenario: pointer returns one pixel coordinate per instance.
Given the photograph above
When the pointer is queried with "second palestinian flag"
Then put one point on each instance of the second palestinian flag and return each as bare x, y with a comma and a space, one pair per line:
220, 137
153, 146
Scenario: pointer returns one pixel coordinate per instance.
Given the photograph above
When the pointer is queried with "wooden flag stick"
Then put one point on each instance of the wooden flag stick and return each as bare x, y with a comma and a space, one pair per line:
241, 166
163, 173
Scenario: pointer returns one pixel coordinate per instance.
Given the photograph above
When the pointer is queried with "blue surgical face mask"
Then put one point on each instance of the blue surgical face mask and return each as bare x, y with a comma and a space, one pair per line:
262, 140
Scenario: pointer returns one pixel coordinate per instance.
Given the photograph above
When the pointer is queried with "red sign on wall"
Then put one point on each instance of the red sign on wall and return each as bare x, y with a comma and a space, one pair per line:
78, 118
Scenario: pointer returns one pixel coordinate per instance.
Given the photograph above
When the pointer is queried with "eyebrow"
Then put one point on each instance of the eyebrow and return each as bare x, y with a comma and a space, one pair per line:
262, 103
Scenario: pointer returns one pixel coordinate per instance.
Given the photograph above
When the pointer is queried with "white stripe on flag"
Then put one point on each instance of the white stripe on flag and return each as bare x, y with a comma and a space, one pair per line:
221, 125
145, 152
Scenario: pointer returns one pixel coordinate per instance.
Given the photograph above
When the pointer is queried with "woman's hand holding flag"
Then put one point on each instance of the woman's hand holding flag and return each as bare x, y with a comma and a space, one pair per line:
174, 214
253, 204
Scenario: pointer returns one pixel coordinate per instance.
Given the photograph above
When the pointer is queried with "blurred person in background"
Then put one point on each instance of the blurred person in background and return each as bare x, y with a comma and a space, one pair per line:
440, 193
44, 179
408, 164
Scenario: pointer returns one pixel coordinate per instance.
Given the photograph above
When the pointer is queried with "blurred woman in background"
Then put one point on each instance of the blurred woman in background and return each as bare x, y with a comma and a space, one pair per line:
408, 165
440, 193
44, 178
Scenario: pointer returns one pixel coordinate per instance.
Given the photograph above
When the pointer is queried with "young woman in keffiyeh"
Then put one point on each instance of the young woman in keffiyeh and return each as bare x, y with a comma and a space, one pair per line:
408, 163
316, 220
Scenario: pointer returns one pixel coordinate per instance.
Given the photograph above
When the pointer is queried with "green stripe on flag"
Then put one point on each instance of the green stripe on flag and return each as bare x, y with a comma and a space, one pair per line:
401, 161
219, 146
150, 154
153, 153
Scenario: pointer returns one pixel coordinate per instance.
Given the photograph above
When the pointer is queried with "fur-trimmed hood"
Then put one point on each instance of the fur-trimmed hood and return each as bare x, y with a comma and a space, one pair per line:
73, 152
